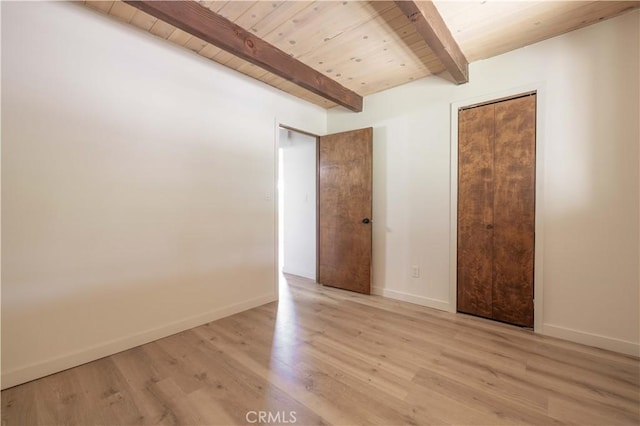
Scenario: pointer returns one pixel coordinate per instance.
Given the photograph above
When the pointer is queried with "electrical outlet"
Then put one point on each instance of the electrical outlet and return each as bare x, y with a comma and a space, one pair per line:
415, 271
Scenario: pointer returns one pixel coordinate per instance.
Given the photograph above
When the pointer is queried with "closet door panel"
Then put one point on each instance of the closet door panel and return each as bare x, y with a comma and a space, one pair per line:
475, 210
514, 207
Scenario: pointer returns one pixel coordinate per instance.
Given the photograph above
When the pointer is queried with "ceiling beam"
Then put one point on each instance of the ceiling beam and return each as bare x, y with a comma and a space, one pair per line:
207, 25
430, 25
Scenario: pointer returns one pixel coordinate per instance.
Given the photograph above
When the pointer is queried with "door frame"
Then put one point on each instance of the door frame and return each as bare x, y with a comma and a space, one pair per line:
540, 89
279, 125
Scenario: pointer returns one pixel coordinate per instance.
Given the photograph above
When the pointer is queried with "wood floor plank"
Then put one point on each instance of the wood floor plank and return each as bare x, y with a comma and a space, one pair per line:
140, 373
20, 401
335, 357
73, 398
499, 405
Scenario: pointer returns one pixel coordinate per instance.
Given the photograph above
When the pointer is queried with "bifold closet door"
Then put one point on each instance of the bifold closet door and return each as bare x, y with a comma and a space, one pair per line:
475, 210
496, 206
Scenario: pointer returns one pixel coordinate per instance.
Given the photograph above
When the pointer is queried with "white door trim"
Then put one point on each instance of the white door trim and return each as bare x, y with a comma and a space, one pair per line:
276, 204
276, 198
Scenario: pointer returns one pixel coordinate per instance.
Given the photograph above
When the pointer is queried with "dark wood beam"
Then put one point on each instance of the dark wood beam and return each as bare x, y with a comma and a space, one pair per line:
430, 25
203, 23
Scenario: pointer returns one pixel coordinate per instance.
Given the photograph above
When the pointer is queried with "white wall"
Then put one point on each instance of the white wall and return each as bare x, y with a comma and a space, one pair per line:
588, 199
299, 203
137, 183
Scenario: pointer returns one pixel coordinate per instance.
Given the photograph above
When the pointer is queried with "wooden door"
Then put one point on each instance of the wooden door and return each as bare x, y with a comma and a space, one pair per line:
514, 208
344, 213
496, 205
475, 210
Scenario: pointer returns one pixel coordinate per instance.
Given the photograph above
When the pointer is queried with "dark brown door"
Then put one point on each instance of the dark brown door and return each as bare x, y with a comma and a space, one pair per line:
475, 210
344, 214
496, 205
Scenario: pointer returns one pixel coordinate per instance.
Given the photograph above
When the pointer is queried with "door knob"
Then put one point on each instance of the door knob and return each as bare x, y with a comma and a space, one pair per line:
490, 226
366, 220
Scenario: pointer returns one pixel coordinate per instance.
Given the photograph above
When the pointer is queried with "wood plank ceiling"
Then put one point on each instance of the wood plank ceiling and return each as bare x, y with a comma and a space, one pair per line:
370, 46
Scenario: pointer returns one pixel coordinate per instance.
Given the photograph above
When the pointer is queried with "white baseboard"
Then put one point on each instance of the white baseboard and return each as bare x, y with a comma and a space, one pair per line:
34, 371
590, 339
412, 298
585, 338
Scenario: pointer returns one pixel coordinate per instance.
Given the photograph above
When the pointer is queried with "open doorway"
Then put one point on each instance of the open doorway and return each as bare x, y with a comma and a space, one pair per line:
297, 198
325, 206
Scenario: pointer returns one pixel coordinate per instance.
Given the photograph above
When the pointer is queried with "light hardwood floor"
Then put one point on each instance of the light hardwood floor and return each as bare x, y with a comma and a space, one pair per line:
326, 356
